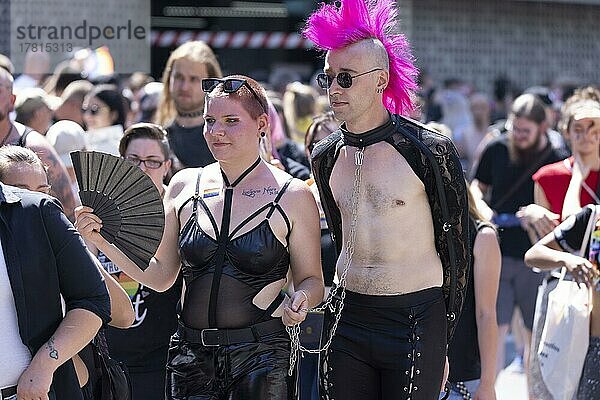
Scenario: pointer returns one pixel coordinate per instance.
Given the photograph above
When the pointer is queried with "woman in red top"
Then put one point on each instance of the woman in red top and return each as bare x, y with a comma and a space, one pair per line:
564, 188
578, 174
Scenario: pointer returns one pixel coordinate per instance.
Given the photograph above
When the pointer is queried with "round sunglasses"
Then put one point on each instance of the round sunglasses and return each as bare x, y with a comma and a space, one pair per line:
93, 109
230, 85
344, 79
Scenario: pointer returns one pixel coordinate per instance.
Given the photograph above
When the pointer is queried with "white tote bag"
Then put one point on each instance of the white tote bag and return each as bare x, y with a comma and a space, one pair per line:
565, 337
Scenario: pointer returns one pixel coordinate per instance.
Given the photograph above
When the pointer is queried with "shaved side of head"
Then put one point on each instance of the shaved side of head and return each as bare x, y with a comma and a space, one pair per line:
6, 79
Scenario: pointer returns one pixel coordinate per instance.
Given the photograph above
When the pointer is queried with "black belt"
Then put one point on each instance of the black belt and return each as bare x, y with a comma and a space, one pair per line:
210, 337
7, 392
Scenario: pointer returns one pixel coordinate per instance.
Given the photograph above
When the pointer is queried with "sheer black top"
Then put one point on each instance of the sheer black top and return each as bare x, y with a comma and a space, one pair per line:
223, 275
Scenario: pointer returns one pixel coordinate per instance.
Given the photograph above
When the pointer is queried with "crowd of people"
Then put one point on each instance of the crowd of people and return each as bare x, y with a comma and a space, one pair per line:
420, 225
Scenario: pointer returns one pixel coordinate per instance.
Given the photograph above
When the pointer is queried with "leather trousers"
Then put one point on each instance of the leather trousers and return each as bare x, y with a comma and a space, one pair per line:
257, 370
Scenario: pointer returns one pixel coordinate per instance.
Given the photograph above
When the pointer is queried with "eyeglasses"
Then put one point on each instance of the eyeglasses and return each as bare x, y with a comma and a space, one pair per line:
93, 109
344, 79
150, 164
230, 85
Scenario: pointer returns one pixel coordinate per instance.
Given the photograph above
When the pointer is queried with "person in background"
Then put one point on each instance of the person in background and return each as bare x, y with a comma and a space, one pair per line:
287, 149
275, 133
149, 98
43, 265
472, 353
481, 109
34, 109
18, 134
21, 167
322, 126
299, 106
563, 188
182, 103
504, 173
6, 64
67, 136
143, 347
63, 75
37, 66
579, 174
71, 101
556, 250
104, 106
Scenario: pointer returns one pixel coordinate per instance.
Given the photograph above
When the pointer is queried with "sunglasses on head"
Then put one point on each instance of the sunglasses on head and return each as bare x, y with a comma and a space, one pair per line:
93, 109
230, 85
344, 79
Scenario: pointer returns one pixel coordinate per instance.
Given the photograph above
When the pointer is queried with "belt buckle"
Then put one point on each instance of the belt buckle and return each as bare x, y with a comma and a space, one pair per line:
202, 332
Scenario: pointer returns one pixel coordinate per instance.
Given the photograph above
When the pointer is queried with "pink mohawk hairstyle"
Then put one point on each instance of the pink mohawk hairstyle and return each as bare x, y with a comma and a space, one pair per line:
331, 28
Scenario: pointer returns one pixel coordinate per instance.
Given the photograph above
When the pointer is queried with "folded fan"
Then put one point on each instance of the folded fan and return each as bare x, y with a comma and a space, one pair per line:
125, 199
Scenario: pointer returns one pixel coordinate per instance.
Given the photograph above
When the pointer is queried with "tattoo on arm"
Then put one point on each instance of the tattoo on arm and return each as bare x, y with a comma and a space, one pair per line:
52, 352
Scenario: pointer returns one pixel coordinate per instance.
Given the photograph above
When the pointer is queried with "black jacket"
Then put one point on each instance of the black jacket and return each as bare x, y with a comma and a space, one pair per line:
45, 258
434, 160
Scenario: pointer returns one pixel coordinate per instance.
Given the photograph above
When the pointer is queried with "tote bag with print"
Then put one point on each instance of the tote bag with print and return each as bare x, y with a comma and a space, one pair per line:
565, 337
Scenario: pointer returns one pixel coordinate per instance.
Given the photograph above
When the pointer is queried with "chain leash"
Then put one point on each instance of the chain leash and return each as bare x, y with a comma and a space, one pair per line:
294, 331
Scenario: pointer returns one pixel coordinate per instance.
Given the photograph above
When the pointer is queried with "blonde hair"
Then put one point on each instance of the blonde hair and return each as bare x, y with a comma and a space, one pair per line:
299, 106
10, 155
196, 51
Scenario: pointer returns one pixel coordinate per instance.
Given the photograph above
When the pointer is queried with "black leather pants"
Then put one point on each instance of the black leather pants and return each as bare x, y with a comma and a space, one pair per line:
234, 372
386, 347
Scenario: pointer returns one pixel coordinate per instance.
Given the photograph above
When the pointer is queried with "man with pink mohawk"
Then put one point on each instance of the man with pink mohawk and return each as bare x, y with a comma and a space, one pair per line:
395, 198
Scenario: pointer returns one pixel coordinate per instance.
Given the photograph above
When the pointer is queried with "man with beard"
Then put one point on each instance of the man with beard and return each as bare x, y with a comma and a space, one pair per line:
18, 134
182, 103
504, 177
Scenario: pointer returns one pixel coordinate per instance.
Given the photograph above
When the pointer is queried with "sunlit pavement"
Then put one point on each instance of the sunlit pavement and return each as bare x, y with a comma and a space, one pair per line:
511, 386
511, 383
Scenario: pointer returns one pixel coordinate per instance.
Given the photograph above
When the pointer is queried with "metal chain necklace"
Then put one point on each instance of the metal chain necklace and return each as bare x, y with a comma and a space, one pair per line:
294, 331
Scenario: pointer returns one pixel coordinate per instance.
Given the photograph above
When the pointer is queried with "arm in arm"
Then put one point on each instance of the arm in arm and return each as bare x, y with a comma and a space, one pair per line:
86, 299
76, 330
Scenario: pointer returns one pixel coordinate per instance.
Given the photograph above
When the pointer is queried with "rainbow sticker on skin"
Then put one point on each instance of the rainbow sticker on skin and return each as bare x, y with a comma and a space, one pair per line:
210, 193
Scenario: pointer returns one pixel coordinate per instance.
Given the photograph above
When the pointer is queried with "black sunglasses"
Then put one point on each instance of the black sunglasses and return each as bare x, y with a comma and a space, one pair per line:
230, 85
344, 79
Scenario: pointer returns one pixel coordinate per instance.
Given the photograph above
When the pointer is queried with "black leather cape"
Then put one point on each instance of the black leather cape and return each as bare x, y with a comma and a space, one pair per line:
435, 161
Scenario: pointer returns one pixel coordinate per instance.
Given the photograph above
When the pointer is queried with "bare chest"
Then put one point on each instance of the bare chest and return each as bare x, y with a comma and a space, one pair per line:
387, 185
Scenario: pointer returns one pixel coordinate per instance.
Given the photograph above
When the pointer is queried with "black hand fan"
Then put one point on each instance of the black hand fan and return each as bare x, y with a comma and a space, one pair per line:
127, 201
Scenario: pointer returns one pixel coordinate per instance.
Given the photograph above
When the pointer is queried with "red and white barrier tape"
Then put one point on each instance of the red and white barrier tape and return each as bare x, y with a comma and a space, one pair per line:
233, 40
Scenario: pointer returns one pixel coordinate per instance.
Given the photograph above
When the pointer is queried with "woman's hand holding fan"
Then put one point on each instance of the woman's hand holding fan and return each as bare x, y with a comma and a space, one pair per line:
127, 208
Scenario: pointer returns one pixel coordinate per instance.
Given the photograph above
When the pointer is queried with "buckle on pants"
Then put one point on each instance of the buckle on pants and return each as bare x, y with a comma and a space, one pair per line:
209, 343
